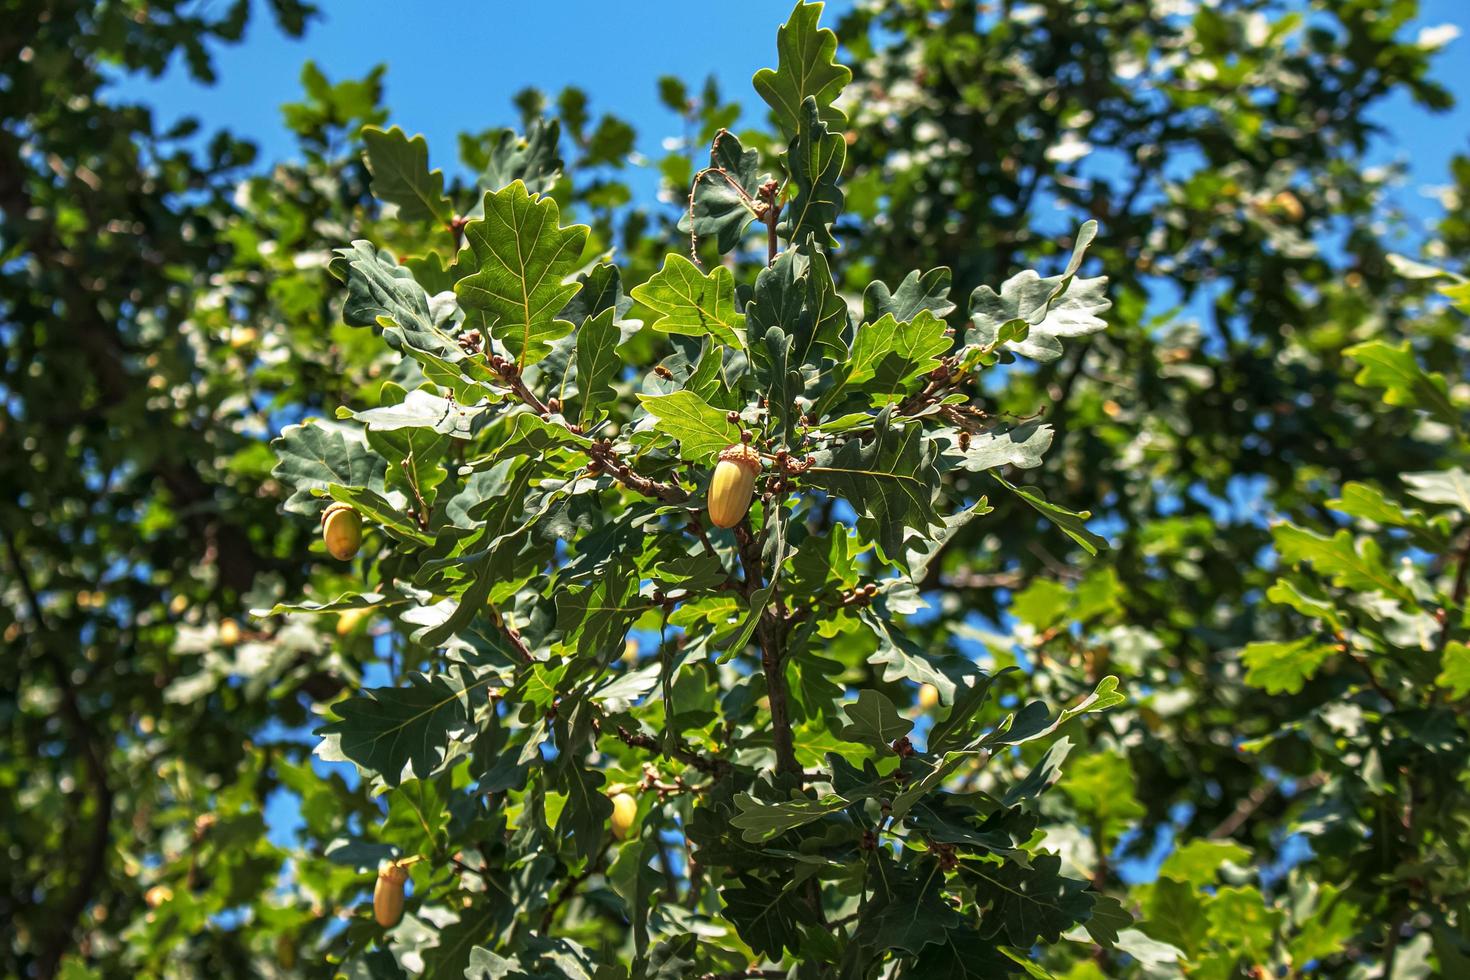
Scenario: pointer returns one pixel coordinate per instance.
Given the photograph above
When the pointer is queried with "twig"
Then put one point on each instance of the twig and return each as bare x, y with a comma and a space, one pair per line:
1254, 800
706, 764
767, 632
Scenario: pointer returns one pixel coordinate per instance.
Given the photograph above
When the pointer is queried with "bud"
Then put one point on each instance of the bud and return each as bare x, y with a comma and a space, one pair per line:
388, 896
625, 811
342, 531
732, 484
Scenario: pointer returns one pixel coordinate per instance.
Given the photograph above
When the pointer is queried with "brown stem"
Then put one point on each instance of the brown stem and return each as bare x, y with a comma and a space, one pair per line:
704, 763
88, 743
769, 634
769, 193
1254, 800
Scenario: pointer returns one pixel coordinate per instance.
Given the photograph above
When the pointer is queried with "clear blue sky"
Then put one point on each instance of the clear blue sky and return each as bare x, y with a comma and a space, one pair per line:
453, 65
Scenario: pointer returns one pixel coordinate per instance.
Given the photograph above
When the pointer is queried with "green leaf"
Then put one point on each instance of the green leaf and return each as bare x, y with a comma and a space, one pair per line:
422, 409
1027, 904
533, 160
701, 429
890, 359
1198, 862
805, 68
401, 175
1327, 928
1242, 922
1284, 667
1071, 522
382, 293
906, 908
1450, 487
598, 365
385, 729
1173, 913
759, 821
1107, 921
918, 293
891, 480
797, 295
874, 721
1100, 786
522, 255
723, 201
1404, 382
814, 161
315, 455
1049, 309
1353, 565
903, 659
684, 301
1454, 673
1022, 446
766, 915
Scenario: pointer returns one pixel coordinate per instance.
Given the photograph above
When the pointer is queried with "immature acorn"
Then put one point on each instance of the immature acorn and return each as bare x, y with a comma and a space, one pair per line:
625, 811
342, 531
388, 895
732, 484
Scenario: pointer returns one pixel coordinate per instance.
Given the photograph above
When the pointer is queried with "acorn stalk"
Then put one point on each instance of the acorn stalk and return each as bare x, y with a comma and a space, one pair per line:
733, 483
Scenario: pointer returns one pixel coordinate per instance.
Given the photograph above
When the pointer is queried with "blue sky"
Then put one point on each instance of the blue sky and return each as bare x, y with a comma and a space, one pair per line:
453, 65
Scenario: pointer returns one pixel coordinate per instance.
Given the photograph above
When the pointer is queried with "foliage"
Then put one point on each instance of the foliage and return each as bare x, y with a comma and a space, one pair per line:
564, 510
1263, 448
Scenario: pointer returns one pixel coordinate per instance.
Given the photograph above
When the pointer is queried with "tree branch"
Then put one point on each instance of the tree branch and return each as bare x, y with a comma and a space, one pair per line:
89, 745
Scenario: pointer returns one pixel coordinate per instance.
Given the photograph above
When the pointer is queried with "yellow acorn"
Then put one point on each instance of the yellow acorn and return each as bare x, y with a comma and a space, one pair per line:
229, 632
388, 895
630, 651
178, 604
732, 484
1287, 203
349, 619
625, 810
342, 531
928, 696
158, 895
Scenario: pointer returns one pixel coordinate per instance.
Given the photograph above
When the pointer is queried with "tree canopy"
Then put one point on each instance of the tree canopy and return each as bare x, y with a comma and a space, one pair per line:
1002, 510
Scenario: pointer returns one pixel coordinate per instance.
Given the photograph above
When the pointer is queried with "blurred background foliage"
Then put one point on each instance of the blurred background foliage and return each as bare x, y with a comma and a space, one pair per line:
1285, 790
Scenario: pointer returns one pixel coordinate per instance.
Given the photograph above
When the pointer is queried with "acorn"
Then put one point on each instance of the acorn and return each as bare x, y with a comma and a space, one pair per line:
342, 531
625, 811
928, 696
388, 895
733, 483
158, 895
349, 619
229, 632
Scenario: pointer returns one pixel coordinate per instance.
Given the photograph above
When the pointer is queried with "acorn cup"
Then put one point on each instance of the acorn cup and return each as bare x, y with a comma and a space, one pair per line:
733, 483
341, 531
388, 895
